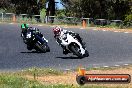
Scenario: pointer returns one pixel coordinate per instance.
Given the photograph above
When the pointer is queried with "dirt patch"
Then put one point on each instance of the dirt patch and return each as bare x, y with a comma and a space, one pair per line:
70, 77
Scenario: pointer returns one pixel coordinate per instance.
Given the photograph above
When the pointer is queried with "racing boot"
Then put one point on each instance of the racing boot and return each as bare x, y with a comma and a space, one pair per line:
65, 51
29, 47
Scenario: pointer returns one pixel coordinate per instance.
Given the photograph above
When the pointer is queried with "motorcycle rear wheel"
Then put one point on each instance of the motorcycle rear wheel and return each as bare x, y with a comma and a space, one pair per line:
41, 48
75, 50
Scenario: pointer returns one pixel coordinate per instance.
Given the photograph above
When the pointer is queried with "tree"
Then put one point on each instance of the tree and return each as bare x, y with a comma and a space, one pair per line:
4, 3
108, 9
51, 8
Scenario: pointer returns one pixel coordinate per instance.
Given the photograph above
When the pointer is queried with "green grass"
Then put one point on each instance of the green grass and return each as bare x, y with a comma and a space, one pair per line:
38, 71
41, 71
15, 81
12, 81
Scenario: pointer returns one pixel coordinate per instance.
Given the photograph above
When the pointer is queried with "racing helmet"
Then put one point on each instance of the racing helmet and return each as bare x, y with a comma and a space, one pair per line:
57, 30
24, 26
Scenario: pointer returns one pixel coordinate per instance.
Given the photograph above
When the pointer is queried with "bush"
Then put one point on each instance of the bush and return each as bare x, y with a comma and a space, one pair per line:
128, 20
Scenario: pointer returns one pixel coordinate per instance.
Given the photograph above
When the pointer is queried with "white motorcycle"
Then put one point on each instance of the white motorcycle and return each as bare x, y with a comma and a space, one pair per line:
73, 45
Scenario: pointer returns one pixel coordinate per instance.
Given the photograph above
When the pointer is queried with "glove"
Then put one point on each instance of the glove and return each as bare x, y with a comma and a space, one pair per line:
45, 39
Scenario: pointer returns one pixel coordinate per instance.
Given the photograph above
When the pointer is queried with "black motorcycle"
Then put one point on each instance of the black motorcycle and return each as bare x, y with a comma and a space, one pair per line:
36, 42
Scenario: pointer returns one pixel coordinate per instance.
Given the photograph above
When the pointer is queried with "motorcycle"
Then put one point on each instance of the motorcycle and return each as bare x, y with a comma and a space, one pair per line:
74, 46
36, 42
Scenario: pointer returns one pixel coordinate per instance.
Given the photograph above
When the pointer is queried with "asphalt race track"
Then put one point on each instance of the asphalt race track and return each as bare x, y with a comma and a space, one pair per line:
106, 49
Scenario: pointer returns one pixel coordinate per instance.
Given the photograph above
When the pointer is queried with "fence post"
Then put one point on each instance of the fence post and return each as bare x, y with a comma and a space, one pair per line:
88, 22
2, 17
46, 19
84, 23
14, 18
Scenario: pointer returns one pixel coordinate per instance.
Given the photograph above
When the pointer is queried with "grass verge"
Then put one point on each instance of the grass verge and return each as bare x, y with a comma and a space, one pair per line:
49, 78
13, 81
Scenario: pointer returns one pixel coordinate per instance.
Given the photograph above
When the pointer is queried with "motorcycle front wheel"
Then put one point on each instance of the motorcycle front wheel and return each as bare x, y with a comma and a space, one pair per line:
47, 48
86, 53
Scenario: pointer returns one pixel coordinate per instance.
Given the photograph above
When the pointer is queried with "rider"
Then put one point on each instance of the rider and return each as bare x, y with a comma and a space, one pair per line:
25, 28
58, 31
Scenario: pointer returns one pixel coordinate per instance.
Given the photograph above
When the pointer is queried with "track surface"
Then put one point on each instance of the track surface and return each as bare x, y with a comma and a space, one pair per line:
105, 48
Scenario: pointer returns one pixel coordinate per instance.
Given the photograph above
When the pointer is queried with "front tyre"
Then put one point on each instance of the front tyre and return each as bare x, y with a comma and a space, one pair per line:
86, 54
47, 48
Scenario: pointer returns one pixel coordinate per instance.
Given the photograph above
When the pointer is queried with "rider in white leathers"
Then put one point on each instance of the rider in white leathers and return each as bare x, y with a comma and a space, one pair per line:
58, 31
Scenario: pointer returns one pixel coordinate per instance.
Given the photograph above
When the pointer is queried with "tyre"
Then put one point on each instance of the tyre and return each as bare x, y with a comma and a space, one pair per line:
41, 48
47, 48
76, 51
86, 54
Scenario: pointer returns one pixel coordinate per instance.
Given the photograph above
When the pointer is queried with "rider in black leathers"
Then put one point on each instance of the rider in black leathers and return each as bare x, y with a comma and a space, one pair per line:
25, 29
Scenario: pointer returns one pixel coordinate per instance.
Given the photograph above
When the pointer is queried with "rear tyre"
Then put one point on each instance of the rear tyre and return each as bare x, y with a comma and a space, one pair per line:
76, 51
41, 48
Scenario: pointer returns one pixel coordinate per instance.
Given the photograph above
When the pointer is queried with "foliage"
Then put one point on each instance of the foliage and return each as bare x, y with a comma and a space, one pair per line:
4, 4
102, 9
42, 14
2, 10
60, 14
23, 6
106, 9
128, 20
